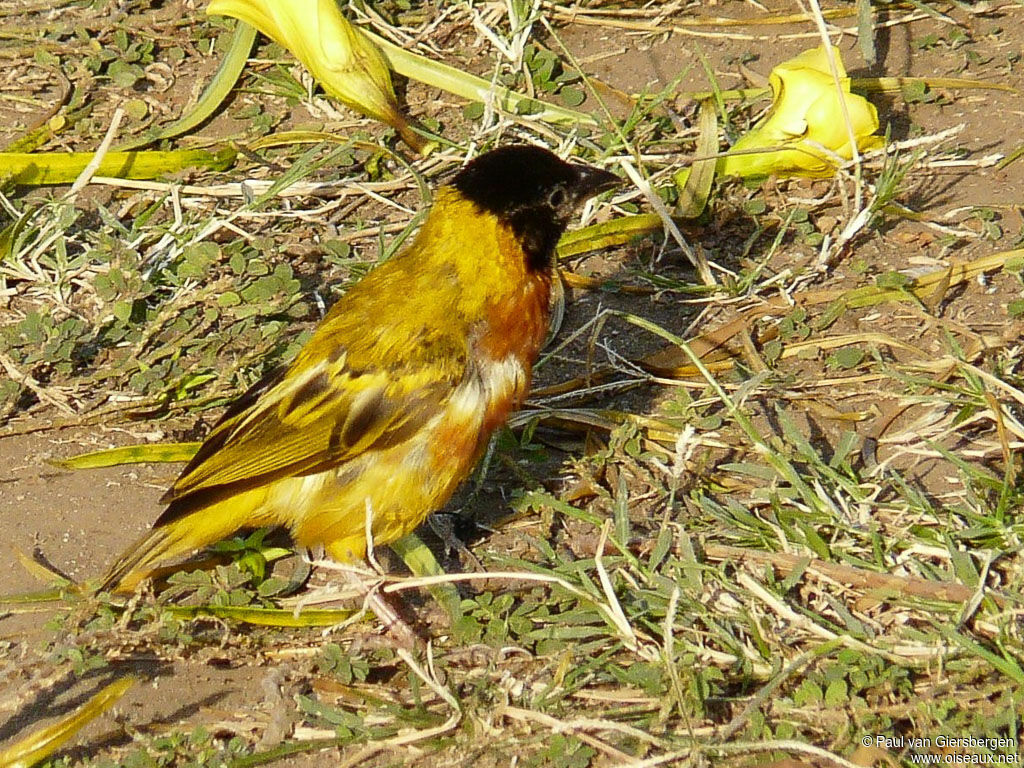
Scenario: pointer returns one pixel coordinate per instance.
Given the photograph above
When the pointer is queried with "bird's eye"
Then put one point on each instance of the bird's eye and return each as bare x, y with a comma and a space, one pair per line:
557, 197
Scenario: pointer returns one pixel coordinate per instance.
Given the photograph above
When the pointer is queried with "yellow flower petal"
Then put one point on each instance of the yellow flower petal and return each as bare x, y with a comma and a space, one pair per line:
805, 126
337, 54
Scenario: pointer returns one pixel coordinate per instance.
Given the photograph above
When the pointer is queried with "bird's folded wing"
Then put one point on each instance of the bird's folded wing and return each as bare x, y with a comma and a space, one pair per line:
297, 422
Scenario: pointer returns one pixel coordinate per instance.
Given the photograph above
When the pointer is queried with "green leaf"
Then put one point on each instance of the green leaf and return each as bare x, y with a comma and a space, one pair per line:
123, 310
893, 279
808, 693
846, 358
124, 74
836, 694
572, 97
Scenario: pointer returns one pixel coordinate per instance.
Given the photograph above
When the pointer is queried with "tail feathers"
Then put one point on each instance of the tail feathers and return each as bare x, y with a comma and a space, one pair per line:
160, 542
183, 533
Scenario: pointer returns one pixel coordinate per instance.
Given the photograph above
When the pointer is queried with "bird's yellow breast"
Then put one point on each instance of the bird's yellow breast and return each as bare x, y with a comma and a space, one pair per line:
398, 487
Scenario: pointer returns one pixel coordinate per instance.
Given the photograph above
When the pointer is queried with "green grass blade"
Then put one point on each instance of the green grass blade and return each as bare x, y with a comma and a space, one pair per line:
130, 454
35, 168
263, 617
472, 87
608, 233
1004, 664
421, 561
213, 95
695, 182
39, 744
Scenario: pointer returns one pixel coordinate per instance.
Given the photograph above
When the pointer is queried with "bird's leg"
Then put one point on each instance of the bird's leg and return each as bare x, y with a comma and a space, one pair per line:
394, 624
368, 532
360, 583
444, 529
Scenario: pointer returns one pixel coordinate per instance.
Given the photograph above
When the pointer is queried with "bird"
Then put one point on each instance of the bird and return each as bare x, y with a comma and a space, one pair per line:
394, 398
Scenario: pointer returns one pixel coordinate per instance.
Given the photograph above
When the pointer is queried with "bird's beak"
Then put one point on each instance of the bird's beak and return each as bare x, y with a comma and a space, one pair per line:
591, 181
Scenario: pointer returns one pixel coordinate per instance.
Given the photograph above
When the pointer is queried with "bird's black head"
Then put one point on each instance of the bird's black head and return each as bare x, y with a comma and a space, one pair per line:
533, 192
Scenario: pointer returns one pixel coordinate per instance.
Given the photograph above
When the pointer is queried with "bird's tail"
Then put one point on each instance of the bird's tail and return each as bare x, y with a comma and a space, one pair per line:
183, 527
162, 541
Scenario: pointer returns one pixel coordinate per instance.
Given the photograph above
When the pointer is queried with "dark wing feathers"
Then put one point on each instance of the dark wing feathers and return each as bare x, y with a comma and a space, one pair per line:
215, 440
310, 420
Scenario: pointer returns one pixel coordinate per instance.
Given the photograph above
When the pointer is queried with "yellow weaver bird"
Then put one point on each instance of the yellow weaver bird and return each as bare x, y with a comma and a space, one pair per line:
390, 404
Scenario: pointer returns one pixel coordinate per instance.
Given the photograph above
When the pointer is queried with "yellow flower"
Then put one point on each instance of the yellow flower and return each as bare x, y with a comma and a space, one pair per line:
805, 127
345, 62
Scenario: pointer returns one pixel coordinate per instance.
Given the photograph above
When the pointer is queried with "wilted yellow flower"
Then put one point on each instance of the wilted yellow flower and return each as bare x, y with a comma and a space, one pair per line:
345, 62
805, 116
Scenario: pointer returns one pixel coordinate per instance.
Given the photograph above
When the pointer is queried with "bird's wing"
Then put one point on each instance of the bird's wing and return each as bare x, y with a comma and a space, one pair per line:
316, 415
